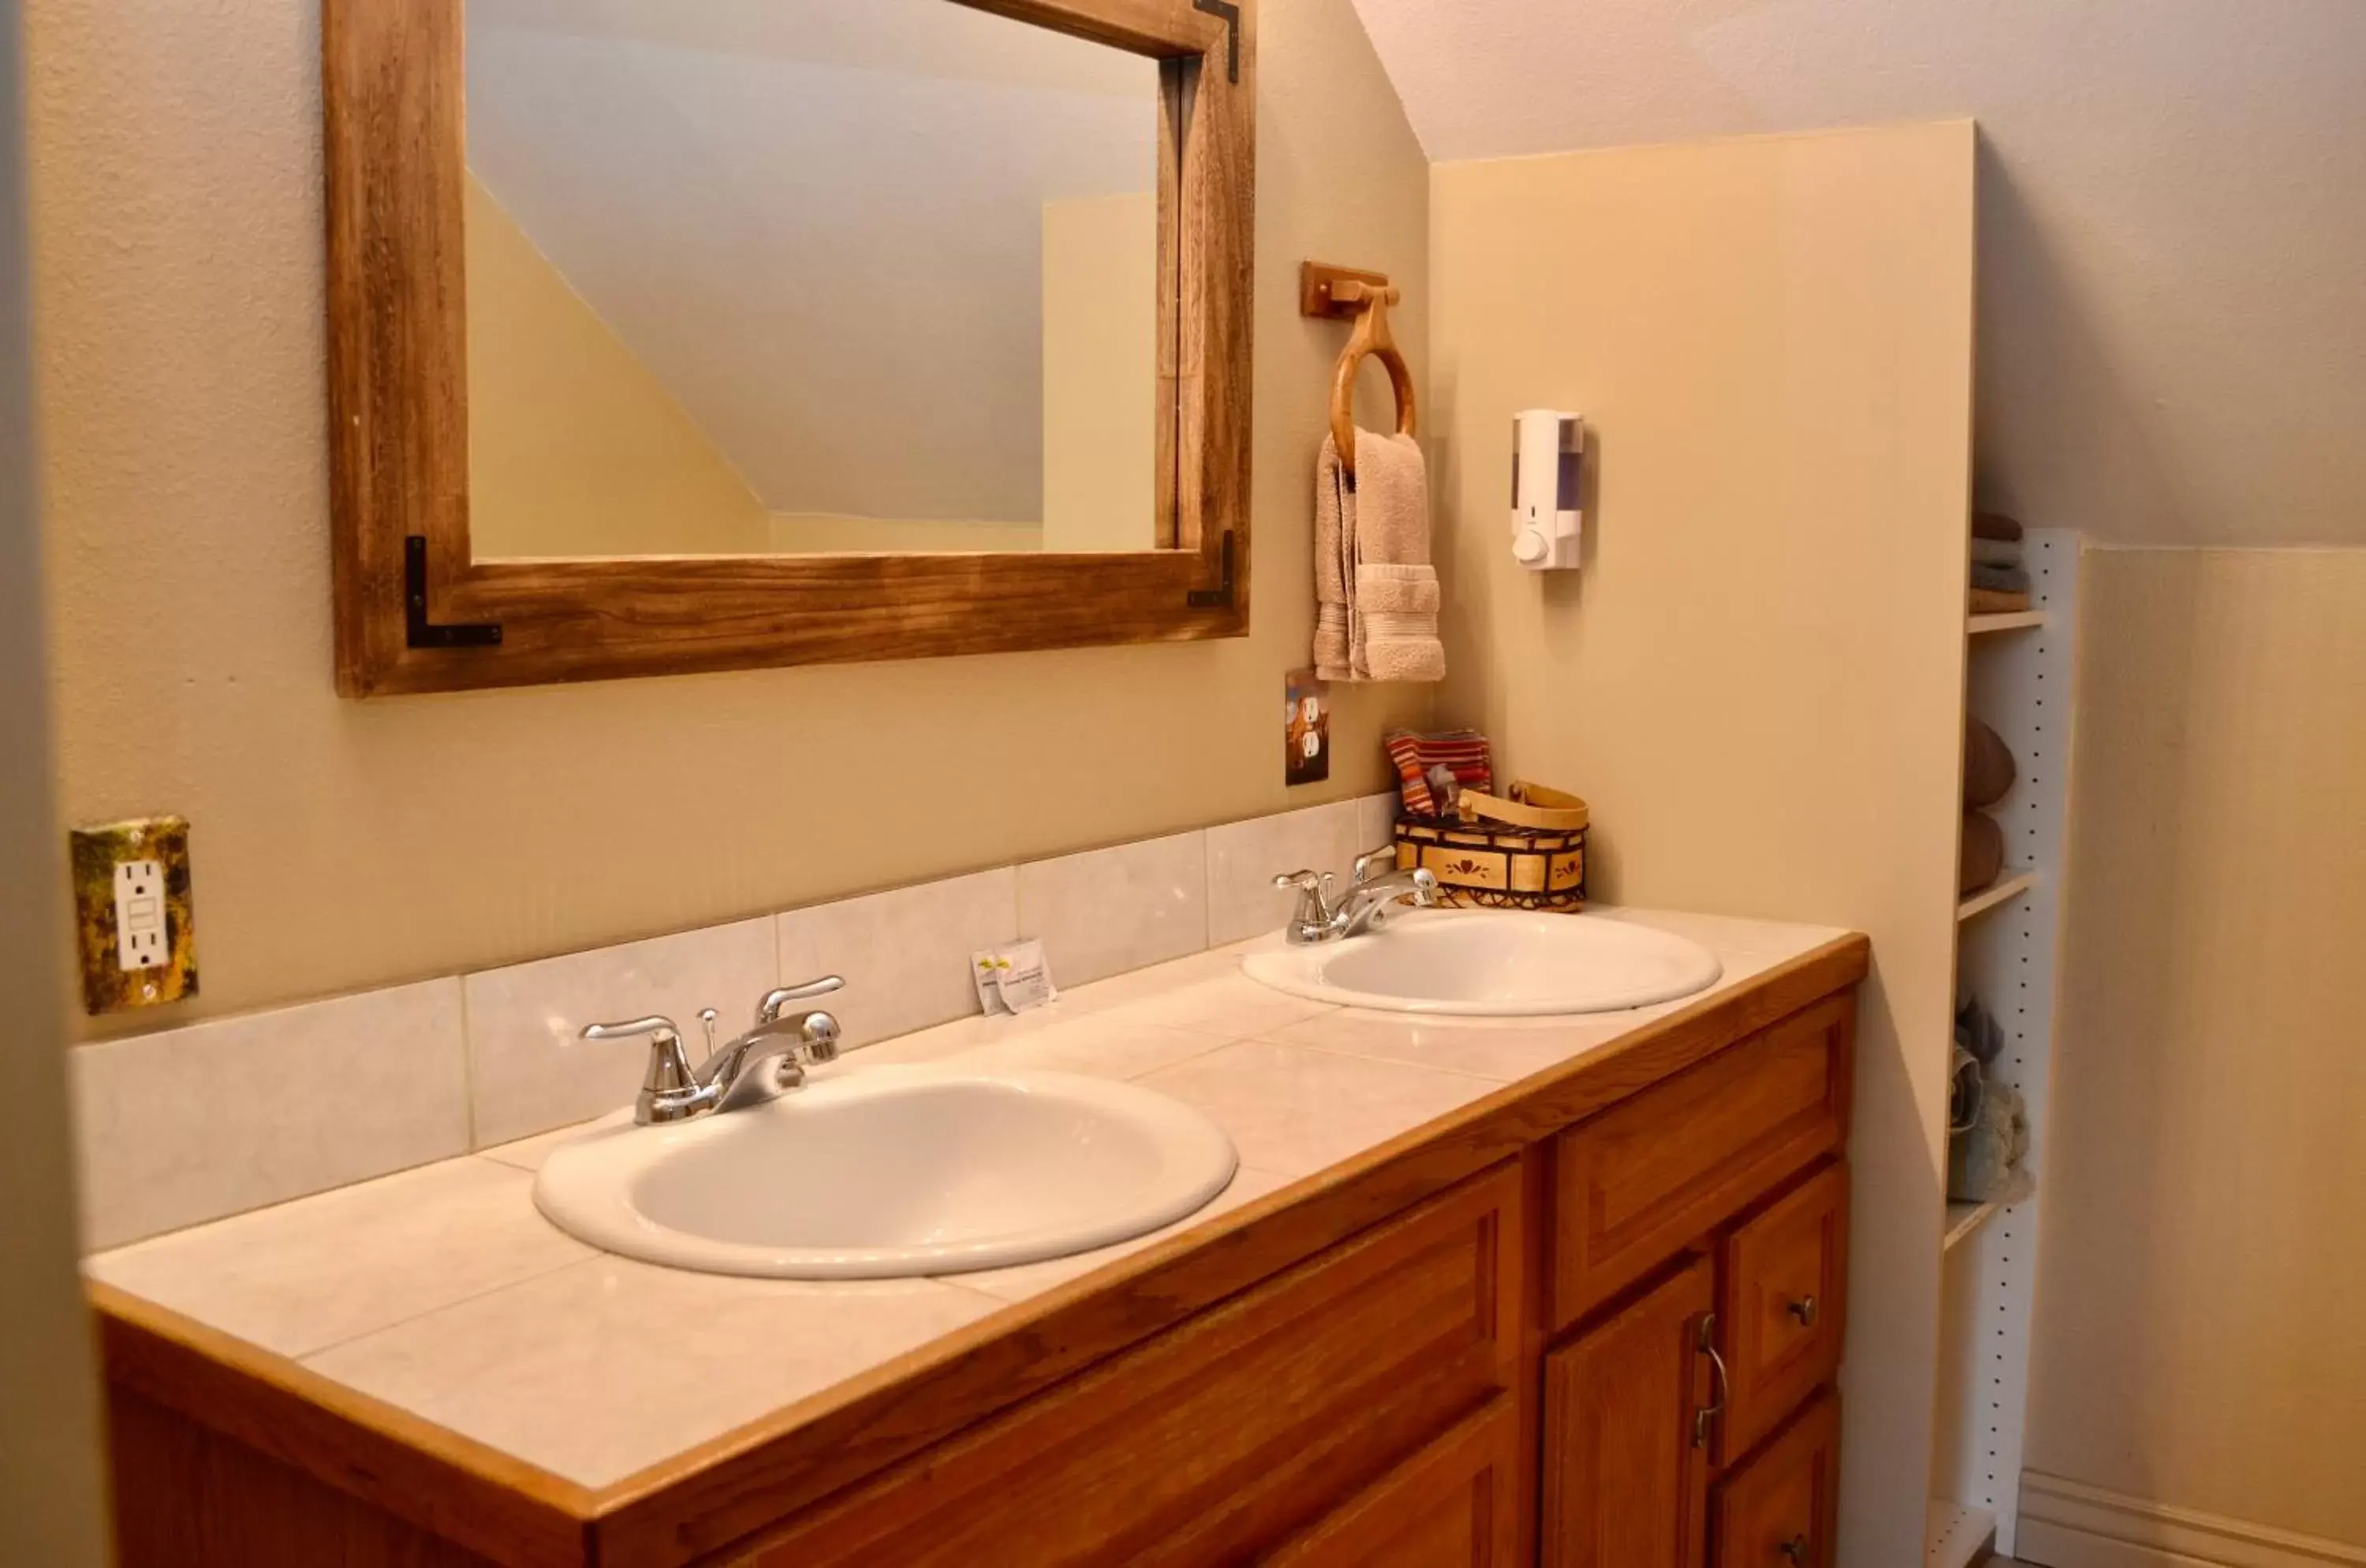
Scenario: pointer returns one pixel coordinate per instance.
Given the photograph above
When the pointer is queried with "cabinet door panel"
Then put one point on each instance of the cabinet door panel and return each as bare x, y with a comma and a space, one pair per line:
1779, 1510
1651, 1175
1782, 1304
1221, 1436
1450, 1505
1625, 1483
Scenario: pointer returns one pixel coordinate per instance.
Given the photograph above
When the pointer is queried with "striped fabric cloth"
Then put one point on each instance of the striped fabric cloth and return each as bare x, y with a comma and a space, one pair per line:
1433, 769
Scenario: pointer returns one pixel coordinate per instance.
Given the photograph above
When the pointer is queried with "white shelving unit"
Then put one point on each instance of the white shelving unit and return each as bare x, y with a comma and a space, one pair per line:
2010, 886
2006, 955
1953, 1536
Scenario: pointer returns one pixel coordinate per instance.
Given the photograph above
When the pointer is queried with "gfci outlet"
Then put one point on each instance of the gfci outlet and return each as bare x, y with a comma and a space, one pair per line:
140, 914
136, 931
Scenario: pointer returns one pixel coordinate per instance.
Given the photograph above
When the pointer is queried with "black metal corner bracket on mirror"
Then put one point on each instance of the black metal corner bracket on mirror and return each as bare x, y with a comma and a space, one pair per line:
418, 631
1230, 14
1221, 596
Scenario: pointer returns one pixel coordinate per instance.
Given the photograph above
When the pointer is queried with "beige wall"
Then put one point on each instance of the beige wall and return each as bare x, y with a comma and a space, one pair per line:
178, 276
575, 447
1757, 680
2198, 1338
1100, 370
50, 1501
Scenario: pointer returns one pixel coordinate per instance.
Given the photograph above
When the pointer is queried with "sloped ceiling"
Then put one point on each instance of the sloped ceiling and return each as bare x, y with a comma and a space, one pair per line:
2173, 211
818, 224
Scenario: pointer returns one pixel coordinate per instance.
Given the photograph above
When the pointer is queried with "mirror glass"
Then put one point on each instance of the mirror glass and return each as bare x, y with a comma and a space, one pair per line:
755, 277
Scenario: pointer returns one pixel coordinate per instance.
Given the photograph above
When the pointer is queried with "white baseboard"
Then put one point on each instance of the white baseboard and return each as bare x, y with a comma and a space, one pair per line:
2066, 1524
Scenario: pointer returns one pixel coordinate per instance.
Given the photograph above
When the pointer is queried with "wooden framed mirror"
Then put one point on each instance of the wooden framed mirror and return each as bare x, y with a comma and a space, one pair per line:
439, 582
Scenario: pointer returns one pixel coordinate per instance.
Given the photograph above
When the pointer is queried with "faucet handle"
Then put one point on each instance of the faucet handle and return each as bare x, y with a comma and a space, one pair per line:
669, 1070
777, 999
1313, 910
1372, 863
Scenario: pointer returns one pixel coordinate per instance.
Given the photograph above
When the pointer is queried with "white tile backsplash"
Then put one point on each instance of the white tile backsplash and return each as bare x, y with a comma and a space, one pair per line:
1376, 819
904, 954
1108, 910
528, 1072
1244, 857
193, 1123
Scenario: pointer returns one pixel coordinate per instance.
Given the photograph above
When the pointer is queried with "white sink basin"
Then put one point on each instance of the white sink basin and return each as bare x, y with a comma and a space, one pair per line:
892, 1171
1490, 964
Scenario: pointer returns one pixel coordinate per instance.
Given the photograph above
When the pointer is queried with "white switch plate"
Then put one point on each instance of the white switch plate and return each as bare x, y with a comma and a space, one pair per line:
139, 938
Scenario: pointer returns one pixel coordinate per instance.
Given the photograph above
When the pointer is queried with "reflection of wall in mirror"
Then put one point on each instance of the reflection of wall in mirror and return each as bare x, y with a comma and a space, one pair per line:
1100, 323
575, 447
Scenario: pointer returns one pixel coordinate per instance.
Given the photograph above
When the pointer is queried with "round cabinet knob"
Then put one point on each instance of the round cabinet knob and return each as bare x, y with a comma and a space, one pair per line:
1530, 547
1806, 1310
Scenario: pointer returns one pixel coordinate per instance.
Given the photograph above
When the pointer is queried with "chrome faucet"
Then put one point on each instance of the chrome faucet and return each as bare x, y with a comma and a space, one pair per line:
763, 1063
1373, 898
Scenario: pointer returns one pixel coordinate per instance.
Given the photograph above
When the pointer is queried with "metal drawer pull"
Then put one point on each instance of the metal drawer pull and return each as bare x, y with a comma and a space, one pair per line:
1722, 1388
1794, 1549
1806, 1310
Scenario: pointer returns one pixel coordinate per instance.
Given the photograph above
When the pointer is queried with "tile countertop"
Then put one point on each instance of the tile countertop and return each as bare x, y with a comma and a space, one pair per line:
442, 1291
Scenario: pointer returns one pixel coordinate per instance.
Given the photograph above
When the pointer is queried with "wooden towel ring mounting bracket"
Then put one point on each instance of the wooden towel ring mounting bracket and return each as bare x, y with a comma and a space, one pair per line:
1342, 292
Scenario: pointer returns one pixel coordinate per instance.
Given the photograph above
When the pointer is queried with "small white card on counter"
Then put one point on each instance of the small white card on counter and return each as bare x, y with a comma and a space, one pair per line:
1012, 977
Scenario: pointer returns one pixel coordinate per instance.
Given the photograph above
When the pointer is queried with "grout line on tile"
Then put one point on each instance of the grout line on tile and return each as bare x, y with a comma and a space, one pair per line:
456, 1302
1214, 1046
1392, 1062
467, 1063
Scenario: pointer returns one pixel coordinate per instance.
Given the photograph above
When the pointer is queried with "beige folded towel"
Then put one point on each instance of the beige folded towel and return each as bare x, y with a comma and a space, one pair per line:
1376, 593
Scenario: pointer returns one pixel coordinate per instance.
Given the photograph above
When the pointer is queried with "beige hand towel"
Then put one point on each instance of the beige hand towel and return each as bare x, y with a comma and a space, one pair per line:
1376, 594
1335, 569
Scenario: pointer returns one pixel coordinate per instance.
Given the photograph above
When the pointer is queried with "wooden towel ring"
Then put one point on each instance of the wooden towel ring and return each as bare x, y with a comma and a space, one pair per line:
1368, 298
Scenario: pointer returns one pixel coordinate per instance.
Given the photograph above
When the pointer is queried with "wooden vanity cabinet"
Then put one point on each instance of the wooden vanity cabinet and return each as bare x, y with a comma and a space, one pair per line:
1594, 1321
1626, 1477
1699, 1246
1214, 1441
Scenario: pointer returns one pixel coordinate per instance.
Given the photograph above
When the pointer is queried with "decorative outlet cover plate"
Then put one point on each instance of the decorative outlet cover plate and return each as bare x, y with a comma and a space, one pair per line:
134, 931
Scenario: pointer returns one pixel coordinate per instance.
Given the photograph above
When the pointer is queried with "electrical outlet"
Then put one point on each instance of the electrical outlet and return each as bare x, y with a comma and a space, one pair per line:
136, 926
140, 914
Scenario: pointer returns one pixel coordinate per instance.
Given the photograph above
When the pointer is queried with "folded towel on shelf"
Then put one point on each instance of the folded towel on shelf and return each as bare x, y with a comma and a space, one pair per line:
1376, 594
1995, 525
2000, 579
1986, 602
1996, 552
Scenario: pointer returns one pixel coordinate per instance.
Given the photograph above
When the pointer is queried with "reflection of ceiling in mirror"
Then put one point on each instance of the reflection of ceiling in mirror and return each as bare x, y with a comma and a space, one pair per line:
818, 223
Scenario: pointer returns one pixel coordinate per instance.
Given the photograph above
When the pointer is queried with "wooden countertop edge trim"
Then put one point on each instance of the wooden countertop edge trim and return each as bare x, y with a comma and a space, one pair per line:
465, 1490
701, 1501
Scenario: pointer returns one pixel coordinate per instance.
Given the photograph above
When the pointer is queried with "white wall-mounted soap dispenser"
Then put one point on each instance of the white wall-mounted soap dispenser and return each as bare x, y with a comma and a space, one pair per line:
1548, 461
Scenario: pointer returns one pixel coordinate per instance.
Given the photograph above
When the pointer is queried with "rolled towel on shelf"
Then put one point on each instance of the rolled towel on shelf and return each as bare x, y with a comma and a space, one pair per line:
1987, 765
1995, 552
1981, 858
1995, 525
2000, 579
1986, 601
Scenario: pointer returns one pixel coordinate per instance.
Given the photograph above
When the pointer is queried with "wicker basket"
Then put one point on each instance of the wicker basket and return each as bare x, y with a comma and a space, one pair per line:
1526, 852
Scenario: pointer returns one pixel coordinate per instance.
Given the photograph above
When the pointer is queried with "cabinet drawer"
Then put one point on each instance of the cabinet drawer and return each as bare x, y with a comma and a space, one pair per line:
1782, 1294
1225, 1433
1778, 1511
1657, 1171
1454, 1504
